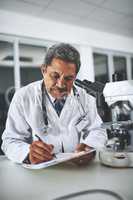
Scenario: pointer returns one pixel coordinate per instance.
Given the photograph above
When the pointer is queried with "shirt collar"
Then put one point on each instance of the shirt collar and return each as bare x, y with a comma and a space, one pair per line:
53, 99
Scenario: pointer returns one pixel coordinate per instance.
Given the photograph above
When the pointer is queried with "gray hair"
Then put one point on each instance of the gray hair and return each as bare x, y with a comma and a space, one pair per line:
65, 52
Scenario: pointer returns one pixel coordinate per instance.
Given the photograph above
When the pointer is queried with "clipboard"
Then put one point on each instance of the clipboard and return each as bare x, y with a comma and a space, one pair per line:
60, 158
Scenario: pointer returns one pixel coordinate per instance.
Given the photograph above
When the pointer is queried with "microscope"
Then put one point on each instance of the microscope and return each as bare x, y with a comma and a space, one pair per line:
118, 151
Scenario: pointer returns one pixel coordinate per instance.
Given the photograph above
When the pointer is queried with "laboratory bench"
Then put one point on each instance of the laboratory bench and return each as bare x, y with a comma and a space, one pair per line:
19, 183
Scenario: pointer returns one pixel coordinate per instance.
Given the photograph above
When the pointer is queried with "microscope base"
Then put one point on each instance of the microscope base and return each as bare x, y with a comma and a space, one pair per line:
116, 159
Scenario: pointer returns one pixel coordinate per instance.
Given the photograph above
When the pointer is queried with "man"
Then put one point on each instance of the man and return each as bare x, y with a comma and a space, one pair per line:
75, 126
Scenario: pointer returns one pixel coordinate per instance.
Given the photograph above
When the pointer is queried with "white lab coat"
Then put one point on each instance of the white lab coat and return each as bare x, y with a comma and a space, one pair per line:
77, 123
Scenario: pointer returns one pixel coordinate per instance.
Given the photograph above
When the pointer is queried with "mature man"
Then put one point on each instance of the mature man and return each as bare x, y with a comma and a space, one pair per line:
61, 115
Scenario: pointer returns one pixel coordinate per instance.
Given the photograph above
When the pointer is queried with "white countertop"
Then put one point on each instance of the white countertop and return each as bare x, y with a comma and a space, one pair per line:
18, 183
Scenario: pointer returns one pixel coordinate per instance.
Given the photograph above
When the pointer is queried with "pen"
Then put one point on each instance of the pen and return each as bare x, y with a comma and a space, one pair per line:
42, 141
38, 137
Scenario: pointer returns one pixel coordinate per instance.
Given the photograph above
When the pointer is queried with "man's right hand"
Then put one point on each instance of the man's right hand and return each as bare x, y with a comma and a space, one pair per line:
40, 152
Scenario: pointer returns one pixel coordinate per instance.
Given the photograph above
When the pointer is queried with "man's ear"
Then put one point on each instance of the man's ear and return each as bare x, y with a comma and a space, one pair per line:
43, 69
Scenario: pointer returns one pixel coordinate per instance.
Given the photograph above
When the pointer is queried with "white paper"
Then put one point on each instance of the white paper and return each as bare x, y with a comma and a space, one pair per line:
60, 157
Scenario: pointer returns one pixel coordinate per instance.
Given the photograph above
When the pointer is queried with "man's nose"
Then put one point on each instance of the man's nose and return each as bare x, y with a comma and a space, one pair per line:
61, 82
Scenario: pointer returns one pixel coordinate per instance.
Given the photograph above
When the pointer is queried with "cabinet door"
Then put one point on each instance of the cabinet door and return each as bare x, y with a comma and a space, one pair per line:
101, 75
120, 68
31, 59
101, 67
6, 81
132, 67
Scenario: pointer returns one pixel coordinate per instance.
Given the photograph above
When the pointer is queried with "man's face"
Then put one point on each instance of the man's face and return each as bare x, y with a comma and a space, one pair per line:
59, 77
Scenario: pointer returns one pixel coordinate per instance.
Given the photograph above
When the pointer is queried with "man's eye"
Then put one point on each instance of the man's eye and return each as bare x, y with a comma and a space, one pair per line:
55, 76
69, 78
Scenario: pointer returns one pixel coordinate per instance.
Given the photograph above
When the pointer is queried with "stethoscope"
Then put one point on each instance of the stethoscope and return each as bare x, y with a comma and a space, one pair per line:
45, 94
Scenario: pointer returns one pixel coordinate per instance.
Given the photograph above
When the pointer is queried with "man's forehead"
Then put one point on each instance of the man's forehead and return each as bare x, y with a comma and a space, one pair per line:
59, 63
61, 69
61, 72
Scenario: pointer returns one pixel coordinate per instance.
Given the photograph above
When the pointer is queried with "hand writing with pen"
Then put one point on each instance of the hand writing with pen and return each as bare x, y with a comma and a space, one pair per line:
40, 152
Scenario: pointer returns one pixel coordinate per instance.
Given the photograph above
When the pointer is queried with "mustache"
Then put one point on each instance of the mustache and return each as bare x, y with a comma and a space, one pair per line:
63, 89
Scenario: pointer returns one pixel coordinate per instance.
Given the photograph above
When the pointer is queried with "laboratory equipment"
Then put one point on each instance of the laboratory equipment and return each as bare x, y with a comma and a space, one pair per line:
118, 151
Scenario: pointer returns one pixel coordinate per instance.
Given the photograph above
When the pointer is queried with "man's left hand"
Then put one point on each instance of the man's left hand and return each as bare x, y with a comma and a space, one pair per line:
84, 160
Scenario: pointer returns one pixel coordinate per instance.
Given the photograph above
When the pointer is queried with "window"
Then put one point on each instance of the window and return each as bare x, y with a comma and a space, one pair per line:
31, 57
132, 66
6, 81
101, 67
120, 68
101, 75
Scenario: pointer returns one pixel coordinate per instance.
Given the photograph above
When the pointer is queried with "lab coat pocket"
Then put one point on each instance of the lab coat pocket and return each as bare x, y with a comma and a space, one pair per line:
84, 123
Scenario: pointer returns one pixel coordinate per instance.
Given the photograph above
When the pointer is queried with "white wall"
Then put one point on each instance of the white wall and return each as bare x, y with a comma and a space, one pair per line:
18, 24
24, 25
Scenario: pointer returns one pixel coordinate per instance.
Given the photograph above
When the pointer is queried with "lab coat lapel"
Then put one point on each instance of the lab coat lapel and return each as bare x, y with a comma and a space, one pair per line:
68, 109
52, 114
66, 113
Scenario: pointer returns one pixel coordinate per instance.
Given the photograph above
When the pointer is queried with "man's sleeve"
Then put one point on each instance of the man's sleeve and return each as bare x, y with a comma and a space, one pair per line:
17, 134
93, 135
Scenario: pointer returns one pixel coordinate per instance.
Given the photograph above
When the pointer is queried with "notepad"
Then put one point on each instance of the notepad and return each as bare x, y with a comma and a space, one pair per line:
60, 158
